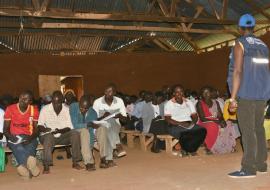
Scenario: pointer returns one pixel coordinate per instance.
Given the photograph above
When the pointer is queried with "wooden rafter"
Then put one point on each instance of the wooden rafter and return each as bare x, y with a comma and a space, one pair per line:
62, 14
173, 7
130, 28
45, 5
129, 8
163, 8
257, 9
212, 5
151, 6
36, 5
198, 12
224, 9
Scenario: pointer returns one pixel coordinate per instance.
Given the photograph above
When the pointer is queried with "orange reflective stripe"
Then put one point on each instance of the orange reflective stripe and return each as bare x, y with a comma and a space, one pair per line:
31, 121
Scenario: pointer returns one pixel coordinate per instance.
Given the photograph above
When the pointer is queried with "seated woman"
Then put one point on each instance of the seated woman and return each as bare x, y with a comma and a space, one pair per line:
181, 117
219, 138
231, 119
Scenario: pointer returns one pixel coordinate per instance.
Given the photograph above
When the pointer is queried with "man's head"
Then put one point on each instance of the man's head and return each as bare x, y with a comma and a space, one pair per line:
142, 94
70, 96
84, 103
159, 96
25, 99
148, 96
178, 93
246, 24
110, 91
57, 100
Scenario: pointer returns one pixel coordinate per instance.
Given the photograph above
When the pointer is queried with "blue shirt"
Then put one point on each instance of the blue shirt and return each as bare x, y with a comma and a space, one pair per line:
80, 121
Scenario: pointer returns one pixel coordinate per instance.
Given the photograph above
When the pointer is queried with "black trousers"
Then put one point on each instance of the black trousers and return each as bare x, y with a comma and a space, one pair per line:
189, 139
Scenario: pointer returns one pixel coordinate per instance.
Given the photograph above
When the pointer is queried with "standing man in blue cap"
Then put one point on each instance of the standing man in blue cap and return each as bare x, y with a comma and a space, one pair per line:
249, 84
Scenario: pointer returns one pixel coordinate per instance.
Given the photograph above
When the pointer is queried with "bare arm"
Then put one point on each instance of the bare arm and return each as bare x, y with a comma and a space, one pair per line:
238, 69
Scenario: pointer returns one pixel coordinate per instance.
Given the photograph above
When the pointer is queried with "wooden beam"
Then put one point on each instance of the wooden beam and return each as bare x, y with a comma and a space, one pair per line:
173, 7
151, 6
198, 12
163, 8
224, 9
129, 8
116, 17
45, 5
130, 28
211, 2
254, 6
36, 5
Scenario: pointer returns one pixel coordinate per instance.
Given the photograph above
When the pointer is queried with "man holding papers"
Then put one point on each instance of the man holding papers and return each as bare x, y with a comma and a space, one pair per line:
108, 105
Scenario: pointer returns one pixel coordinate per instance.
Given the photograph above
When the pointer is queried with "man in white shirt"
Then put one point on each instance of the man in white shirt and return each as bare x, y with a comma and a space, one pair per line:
105, 106
56, 128
181, 117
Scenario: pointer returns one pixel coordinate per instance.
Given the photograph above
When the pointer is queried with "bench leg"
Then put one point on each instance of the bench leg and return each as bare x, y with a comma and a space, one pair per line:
168, 146
142, 142
130, 140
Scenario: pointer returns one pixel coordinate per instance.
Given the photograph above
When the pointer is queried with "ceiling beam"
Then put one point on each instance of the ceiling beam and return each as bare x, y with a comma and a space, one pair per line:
163, 8
36, 5
173, 7
45, 5
212, 5
130, 28
199, 9
129, 8
224, 9
117, 17
254, 6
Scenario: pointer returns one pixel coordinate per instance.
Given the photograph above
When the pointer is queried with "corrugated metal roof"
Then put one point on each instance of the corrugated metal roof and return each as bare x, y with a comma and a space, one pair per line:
24, 34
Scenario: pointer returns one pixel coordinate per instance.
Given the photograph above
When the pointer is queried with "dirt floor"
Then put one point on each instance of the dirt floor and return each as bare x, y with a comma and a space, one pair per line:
143, 171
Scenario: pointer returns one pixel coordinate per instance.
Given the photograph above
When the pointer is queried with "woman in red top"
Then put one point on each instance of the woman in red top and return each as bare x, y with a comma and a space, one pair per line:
20, 128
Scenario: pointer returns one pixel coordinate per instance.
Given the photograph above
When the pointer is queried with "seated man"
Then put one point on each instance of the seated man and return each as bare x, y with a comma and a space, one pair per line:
181, 117
20, 128
82, 114
55, 128
104, 106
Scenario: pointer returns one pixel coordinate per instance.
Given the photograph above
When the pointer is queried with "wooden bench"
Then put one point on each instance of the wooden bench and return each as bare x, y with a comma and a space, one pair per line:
131, 134
39, 147
146, 140
170, 142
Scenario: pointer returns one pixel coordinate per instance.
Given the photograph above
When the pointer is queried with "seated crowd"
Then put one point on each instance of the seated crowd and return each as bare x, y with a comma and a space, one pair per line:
195, 120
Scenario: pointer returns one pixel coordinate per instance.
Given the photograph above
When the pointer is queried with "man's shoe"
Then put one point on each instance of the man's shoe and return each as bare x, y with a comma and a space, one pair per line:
23, 172
120, 151
111, 163
103, 164
46, 169
32, 166
242, 174
90, 167
76, 166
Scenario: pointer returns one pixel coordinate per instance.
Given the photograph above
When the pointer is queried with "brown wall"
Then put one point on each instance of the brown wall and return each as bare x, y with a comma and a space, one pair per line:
131, 72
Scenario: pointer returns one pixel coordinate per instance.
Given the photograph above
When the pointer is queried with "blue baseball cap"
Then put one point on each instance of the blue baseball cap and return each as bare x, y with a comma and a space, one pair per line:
246, 20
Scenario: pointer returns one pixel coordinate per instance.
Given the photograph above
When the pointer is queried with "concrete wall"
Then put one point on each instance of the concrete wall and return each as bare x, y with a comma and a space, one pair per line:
131, 72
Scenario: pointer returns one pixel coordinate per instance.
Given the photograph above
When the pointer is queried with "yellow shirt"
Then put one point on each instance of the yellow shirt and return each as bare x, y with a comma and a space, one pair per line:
226, 114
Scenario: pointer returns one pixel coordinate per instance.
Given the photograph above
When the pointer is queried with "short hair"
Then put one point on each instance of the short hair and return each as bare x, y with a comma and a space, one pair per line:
159, 94
27, 92
111, 85
178, 86
57, 93
205, 88
85, 97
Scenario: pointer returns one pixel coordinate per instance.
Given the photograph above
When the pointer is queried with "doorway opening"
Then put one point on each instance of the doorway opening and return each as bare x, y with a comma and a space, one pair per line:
49, 83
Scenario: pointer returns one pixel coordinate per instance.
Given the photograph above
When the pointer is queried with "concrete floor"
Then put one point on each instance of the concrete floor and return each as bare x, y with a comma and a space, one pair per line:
143, 171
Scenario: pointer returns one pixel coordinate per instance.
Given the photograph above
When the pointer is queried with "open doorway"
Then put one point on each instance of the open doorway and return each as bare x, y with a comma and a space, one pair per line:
49, 83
